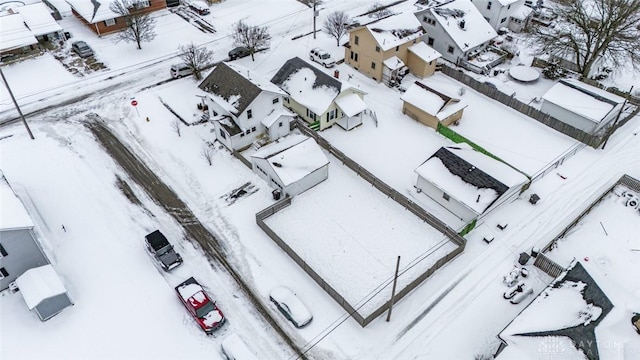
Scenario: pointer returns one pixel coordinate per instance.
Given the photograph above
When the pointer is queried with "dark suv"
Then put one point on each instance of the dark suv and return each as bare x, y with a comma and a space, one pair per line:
239, 52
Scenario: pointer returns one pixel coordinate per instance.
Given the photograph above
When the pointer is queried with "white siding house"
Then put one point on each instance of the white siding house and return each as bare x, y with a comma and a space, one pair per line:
294, 164
512, 14
244, 107
580, 105
456, 30
466, 182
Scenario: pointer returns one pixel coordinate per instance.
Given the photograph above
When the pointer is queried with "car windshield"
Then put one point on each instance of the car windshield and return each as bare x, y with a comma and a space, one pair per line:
325, 56
82, 47
205, 309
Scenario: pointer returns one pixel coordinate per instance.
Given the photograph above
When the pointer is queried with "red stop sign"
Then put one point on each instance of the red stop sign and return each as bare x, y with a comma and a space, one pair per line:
134, 103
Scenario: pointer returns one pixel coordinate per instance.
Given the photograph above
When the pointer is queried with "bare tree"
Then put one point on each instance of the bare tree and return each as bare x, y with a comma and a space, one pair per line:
207, 153
176, 126
254, 38
588, 30
139, 25
336, 25
379, 11
197, 58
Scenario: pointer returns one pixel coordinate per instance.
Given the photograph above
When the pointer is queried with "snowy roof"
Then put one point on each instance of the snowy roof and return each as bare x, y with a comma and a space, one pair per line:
424, 51
506, 2
307, 85
235, 87
93, 11
431, 101
395, 30
39, 284
393, 63
38, 19
468, 176
351, 104
13, 215
293, 158
453, 15
568, 310
582, 99
275, 115
14, 34
521, 12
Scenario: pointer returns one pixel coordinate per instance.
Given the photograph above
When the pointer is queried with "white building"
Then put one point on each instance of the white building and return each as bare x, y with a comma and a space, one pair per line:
293, 164
456, 30
511, 14
467, 182
243, 106
580, 105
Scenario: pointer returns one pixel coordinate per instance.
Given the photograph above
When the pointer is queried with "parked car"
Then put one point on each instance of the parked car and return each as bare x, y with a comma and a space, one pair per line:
521, 295
290, 306
82, 49
180, 70
239, 53
234, 348
162, 251
200, 306
198, 6
321, 57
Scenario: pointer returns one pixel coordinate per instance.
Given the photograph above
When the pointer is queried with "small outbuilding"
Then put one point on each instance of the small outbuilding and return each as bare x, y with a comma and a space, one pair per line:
43, 291
430, 106
293, 164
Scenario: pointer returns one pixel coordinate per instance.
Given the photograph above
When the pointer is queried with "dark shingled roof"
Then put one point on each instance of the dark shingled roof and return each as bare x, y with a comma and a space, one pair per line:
468, 172
582, 336
226, 83
294, 65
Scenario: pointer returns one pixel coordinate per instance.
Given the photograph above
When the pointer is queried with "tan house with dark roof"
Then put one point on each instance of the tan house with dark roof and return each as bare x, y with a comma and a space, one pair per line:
387, 49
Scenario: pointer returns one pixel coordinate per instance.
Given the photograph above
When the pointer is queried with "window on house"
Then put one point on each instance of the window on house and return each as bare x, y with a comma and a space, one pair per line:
222, 134
109, 22
286, 100
446, 196
430, 41
253, 129
311, 115
489, 5
3, 273
275, 100
377, 48
508, 6
3, 252
247, 132
373, 65
249, 114
355, 57
503, 20
141, 4
450, 50
241, 134
356, 39
429, 21
397, 48
280, 124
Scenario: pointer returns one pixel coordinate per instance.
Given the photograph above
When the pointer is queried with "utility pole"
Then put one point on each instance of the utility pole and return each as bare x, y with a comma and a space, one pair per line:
393, 291
315, 14
16, 104
613, 127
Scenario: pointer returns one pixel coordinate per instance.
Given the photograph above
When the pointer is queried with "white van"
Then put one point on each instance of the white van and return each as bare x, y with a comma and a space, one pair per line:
198, 6
180, 70
234, 348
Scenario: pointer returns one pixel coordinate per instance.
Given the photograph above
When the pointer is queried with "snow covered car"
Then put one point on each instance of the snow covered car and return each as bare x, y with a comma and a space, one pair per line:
521, 295
162, 251
239, 52
200, 306
82, 49
321, 57
234, 348
290, 306
512, 291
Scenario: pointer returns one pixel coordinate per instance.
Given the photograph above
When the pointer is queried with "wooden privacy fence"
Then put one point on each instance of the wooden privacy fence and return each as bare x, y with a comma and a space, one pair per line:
351, 309
547, 265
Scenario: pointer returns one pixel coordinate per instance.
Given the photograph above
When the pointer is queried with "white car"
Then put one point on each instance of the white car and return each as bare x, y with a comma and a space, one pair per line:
290, 306
321, 57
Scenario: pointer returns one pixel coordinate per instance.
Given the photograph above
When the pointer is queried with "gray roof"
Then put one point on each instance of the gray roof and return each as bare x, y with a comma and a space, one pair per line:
226, 83
295, 64
468, 172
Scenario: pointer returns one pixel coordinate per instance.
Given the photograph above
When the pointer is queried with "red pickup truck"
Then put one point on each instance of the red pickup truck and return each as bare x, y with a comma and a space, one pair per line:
200, 306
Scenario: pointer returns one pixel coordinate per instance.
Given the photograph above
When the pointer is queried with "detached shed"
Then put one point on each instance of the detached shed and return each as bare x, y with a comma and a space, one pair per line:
43, 291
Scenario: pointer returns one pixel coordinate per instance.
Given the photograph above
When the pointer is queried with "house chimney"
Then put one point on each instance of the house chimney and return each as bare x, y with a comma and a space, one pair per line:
478, 199
461, 24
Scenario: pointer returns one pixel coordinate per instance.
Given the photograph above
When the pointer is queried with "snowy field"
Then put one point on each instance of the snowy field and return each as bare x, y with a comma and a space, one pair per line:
63, 177
363, 232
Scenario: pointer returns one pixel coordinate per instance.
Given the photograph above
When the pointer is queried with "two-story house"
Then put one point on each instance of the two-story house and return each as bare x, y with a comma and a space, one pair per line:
243, 106
511, 14
19, 248
97, 14
386, 49
319, 99
456, 30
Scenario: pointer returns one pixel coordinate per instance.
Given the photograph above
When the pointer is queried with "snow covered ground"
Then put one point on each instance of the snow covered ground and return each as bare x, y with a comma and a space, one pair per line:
64, 177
